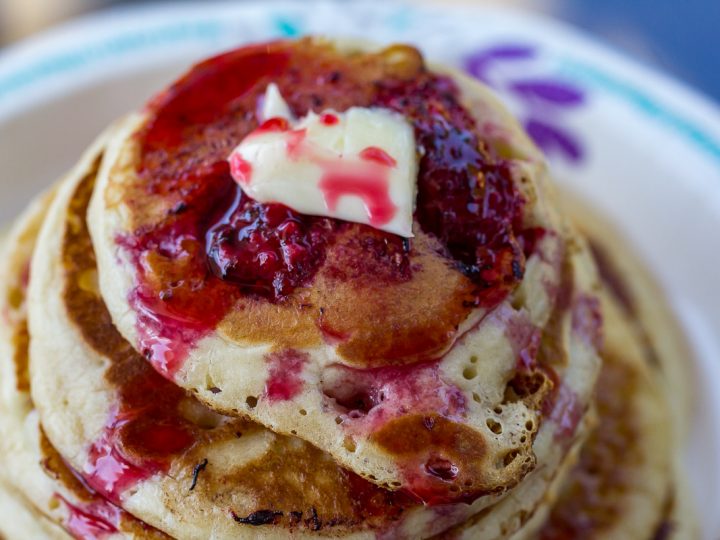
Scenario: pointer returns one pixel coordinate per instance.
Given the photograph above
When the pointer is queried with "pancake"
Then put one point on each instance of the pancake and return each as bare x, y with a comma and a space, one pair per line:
646, 305
19, 520
18, 517
626, 483
372, 336
144, 443
34, 470
624, 478
634, 459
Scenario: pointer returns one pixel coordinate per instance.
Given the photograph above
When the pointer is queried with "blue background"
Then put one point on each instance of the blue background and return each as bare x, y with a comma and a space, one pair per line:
681, 37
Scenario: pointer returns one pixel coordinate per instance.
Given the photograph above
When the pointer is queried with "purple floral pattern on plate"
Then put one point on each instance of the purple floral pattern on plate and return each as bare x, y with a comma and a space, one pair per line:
543, 99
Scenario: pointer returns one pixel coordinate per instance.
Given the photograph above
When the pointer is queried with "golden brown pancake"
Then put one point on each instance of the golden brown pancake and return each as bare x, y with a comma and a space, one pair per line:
629, 480
24, 489
19, 520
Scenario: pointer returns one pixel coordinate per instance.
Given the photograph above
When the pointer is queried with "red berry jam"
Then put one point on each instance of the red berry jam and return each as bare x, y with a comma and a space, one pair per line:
378, 155
141, 436
329, 119
416, 417
145, 429
266, 249
587, 320
93, 521
465, 197
201, 244
269, 250
373, 189
565, 409
285, 380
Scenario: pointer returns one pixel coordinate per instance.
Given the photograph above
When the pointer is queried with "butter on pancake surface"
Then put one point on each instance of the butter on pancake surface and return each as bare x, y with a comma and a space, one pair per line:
359, 349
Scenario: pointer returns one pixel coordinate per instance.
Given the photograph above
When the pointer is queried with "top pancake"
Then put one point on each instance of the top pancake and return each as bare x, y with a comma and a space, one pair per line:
358, 341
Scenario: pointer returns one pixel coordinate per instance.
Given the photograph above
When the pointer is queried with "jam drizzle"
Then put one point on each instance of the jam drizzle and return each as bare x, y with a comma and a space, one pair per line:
435, 448
141, 436
378, 155
367, 399
144, 430
93, 521
523, 336
369, 185
329, 119
565, 410
240, 169
587, 320
285, 374
266, 249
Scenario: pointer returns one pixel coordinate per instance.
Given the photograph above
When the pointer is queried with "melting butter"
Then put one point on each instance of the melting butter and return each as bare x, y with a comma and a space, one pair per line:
359, 165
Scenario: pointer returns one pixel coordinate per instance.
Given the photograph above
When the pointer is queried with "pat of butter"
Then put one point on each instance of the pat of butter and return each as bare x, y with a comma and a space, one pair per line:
359, 165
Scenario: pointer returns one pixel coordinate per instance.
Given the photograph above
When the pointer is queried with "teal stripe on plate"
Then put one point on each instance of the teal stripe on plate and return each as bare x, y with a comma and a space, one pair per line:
624, 90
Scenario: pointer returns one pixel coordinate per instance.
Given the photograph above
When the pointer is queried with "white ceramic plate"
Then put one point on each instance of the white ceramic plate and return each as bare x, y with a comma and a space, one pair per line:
642, 148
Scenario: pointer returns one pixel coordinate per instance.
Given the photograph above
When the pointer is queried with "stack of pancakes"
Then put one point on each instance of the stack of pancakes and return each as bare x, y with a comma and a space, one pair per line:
479, 380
